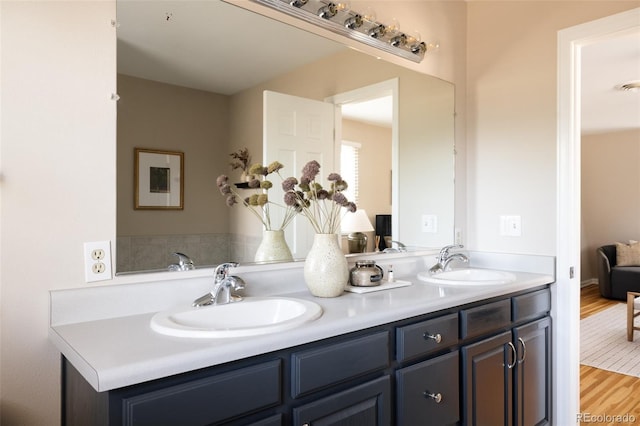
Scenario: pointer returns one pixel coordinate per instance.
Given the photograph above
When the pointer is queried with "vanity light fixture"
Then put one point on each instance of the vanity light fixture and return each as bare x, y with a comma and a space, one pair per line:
339, 18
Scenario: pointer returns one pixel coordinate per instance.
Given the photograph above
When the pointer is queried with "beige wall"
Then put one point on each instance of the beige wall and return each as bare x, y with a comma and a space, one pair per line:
166, 117
374, 169
58, 149
610, 193
58, 146
511, 125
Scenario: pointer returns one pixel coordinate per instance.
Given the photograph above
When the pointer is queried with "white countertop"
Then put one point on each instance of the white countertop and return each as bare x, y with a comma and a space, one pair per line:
116, 351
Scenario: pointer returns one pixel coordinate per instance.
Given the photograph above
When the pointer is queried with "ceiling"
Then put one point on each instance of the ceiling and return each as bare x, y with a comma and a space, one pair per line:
606, 65
158, 41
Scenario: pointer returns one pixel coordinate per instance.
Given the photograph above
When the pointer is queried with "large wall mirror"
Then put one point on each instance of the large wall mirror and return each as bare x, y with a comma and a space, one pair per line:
191, 79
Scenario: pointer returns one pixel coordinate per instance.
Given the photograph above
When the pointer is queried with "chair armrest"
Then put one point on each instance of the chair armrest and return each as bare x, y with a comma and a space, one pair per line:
604, 273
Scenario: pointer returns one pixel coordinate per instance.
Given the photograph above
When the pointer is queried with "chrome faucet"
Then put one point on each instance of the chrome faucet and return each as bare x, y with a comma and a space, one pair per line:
445, 258
224, 287
401, 248
184, 263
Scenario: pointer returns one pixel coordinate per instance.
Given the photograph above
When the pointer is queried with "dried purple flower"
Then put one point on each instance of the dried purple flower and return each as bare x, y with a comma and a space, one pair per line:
254, 183
226, 189
221, 180
231, 200
334, 177
289, 183
290, 199
311, 170
323, 194
351, 207
339, 198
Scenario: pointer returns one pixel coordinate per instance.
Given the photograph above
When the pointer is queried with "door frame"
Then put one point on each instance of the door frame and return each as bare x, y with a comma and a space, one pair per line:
376, 90
566, 291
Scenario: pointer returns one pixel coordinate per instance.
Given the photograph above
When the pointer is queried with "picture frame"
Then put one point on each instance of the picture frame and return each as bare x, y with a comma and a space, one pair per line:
159, 179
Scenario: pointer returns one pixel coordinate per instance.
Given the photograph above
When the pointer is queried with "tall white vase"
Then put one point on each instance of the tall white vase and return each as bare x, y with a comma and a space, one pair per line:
273, 247
326, 271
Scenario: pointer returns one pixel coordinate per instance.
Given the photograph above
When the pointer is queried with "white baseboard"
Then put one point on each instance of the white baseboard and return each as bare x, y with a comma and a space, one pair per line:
590, 281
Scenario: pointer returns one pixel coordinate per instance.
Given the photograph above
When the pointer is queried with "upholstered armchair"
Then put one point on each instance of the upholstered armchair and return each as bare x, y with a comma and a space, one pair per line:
615, 280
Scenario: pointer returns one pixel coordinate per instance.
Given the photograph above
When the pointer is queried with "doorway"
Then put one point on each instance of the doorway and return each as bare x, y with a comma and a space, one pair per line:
566, 292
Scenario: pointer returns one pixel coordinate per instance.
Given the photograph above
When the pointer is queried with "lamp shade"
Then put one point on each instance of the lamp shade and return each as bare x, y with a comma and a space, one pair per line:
356, 222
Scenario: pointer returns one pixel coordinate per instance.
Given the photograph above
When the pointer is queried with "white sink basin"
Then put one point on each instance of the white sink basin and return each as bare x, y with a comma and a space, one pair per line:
249, 317
468, 277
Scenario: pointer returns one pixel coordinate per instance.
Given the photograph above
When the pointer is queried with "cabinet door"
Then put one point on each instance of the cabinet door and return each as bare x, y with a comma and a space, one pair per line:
487, 381
533, 373
364, 405
429, 392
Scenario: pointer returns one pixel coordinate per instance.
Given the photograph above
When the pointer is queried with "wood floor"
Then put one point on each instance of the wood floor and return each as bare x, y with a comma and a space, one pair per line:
603, 394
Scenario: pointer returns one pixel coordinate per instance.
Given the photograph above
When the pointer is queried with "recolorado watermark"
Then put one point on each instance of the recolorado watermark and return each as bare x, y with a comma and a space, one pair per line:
606, 418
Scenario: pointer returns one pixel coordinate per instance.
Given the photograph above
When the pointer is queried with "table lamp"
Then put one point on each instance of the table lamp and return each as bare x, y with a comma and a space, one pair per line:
355, 224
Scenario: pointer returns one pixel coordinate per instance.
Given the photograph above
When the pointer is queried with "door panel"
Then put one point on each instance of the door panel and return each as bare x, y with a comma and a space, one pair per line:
296, 131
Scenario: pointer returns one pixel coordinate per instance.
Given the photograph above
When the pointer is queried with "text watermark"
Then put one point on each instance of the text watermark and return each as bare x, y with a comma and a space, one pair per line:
606, 418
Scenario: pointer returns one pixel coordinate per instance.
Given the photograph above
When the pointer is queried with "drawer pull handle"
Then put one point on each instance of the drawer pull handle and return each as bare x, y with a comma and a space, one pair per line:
524, 350
437, 397
514, 355
437, 337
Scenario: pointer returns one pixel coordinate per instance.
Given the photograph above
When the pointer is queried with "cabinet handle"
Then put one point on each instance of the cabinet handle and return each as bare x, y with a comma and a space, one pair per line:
514, 353
524, 350
437, 397
437, 337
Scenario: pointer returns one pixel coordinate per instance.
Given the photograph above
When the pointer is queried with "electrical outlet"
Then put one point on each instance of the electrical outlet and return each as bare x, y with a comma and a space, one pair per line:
97, 261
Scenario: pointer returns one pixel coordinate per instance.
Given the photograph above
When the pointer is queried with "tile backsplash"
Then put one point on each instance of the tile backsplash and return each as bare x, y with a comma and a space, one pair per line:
153, 252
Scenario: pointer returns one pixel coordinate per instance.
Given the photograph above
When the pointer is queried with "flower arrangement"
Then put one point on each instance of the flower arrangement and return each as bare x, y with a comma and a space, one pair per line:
258, 203
241, 160
322, 207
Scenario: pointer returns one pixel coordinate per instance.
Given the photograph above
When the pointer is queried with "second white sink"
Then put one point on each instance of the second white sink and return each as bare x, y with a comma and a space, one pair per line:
252, 316
468, 277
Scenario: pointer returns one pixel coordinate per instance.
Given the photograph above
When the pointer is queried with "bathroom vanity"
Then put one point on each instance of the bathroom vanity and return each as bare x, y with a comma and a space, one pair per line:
421, 354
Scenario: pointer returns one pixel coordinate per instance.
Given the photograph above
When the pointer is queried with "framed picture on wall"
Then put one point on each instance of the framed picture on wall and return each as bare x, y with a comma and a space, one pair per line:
159, 179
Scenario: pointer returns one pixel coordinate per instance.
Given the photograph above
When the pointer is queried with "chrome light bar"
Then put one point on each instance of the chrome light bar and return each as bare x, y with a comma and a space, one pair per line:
341, 20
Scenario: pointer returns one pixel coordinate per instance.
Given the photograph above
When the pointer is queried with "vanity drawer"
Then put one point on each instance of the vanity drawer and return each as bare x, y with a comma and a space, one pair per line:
531, 305
428, 392
208, 400
485, 318
426, 337
315, 369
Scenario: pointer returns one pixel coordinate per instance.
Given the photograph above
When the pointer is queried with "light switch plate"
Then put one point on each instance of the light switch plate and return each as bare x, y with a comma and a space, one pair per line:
429, 223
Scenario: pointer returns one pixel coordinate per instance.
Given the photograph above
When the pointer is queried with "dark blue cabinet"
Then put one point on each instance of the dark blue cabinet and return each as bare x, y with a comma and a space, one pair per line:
363, 405
506, 378
486, 363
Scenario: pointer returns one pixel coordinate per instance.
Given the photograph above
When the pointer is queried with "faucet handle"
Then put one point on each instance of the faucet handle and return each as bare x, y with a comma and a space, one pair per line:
222, 270
445, 249
184, 263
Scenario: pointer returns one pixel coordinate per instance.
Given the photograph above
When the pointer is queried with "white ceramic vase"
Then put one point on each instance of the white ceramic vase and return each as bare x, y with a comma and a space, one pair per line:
273, 247
326, 271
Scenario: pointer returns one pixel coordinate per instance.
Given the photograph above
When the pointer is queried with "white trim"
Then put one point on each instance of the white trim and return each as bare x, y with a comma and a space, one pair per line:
387, 87
566, 292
